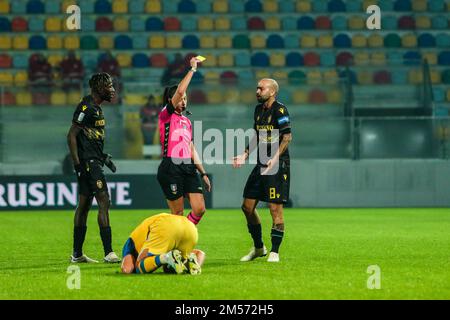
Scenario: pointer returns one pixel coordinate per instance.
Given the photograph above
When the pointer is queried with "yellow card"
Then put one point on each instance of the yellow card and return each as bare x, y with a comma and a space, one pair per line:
200, 58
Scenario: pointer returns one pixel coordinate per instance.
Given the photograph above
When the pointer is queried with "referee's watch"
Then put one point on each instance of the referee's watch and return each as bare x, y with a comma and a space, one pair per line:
203, 174
193, 70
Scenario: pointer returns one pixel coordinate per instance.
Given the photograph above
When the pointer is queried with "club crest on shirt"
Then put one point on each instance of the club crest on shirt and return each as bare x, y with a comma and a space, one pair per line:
99, 184
173, 188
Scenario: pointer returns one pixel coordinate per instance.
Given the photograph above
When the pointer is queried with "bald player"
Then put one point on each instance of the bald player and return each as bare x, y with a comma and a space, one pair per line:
269, 180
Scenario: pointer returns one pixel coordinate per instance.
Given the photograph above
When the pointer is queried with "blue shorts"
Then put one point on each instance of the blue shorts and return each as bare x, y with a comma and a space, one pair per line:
129, 248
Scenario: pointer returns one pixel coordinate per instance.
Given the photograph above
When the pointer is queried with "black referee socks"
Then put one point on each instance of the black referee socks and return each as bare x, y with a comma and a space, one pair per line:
256, 233
277, 237
79, 233
105, 234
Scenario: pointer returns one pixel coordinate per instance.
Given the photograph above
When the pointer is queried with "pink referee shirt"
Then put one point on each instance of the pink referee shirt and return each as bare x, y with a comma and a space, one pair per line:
175, 132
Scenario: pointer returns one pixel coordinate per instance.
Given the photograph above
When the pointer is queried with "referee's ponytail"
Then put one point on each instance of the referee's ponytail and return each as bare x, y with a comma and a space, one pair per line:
168, 94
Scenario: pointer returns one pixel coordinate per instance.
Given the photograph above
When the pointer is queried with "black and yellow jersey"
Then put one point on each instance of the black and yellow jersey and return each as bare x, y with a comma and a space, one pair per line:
266, 120
90, 141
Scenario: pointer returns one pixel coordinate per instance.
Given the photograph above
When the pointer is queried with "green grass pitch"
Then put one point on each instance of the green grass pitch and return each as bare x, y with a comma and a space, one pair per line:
325, 255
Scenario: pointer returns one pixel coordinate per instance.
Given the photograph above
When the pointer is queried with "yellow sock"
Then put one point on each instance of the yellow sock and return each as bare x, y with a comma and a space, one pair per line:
149, 264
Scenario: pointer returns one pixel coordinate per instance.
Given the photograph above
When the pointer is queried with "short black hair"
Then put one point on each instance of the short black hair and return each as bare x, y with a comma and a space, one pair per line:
99, 81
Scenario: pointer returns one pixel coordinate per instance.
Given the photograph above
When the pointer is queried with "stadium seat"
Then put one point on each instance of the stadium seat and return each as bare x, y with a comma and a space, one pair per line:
320, 6
289, 23
119, 6
157, 42
443, 40
361, 58
446, 76
123, 42
273, 23
323, 23
140, 42
228, 77
169, 7
409, 41
342, 41
270, 6
241, 41
153, 6
438, 96
355, 6
18, 24
214, 97
158, 60
292, 41
20, 61
317, 96
435, 77
431, 57
275, 41
205, 24
54, 43
356, 23
137, 25
211, 61
104, 24
301, 6
242, 60
53, 24
334, 96
394, 58
415, 76
172, 24
223, 41
392, 40
348, 75
173, 42
102, 7
277, 59
364, 77
5, 61
120, 24
423, 22
359, 41
87, 5
339, 23
5, 24
220, 6
140, 60
7, 99
399, 78
238, 23
55, 60
336, 6
4, 7
89, 60
18, 7
105, 42
375, 41
190, 42
5, 42
426, 40
344, 59
88, 24
280, 75
225, 60
389, 22
308, 41
35, 7
124, 60
58, 98
325, 41
378, 58
188, 24
297, 77
406, 23
6, 79
137, 6
256, 23
187, 6
154, 24
236, 6
207, 42
328, 59
222, 24
197, 96
71, 43
305, 23
253, 6
24, 99
260, 59
299, 97
436, 5
311, 59
439, 22
20, 43
382, 77
444, 58
402, 5
263, 73
419, 5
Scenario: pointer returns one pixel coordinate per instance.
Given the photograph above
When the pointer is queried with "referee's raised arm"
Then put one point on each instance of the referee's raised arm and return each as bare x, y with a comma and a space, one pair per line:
182, 87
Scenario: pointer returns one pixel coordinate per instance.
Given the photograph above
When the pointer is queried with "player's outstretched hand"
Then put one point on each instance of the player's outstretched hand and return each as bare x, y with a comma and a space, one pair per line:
239, 160
194, 61
207, 183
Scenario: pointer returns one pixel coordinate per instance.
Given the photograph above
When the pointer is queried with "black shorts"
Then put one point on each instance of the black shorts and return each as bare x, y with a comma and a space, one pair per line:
92, 179
176, 180
269, 188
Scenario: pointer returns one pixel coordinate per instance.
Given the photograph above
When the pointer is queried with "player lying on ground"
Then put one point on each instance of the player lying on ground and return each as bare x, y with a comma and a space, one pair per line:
163, 239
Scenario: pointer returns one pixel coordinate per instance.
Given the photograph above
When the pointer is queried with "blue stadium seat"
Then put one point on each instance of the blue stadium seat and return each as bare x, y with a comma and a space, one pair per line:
5, 24
402, 5
169, 7
289, 23
260, 59
327, 59
275, 41
386, 5
136, 6
102, 7
154, 24
187, 6
190, 41
123, 42
320, 6
37, 42
53, 7
137, 24
443, 40
20, 60
336, 6
238, 23
343, 75
242, 59
88, 24
236, 6
412, 58
439, 22
342, 41
87, 6
436, 5
305, 23
426, 40
438, 94
339, 23
189, 24
139, 42
444, 58
389, 22
253, 6
354, 6
140, 60
18, 7
291, 41
294, 59
37, 24
286, 7
203, 7
35, 7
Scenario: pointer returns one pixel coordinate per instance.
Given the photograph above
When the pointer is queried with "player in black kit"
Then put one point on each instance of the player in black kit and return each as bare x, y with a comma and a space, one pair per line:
86, 139
269, 180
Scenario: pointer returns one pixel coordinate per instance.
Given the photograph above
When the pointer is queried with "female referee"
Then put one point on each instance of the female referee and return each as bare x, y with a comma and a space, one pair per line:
177, 173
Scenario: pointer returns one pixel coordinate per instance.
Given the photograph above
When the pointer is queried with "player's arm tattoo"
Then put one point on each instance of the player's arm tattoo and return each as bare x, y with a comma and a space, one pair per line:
287, 138
72, 143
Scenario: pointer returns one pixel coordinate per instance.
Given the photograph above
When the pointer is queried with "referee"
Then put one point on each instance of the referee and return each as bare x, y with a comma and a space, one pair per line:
86, 139
269, 180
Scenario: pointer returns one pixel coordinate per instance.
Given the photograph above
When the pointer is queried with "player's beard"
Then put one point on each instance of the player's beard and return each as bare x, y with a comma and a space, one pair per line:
262, 99
107, 96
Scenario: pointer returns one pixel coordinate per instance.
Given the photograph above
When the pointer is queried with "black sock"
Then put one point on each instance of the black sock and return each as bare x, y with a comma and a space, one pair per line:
255, 231
105, 234
79, 233
277, 237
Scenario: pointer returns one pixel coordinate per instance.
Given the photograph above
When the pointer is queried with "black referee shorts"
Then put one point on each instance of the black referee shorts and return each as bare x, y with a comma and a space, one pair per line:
269, 188
92, 179
176, 180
